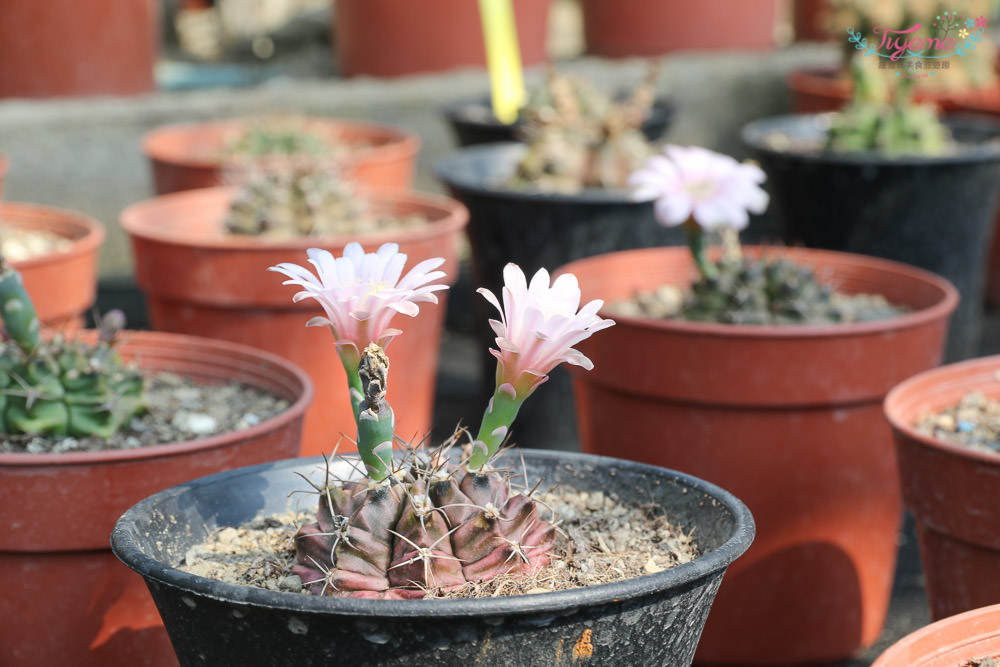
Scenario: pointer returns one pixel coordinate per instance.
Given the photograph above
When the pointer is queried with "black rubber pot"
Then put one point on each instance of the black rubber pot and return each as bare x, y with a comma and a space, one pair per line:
932, 212
473, 122
534, 231
650, 620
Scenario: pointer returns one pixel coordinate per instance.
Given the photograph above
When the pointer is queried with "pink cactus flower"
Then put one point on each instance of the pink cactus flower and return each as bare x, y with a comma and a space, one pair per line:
360, 293
689, 183
538, 327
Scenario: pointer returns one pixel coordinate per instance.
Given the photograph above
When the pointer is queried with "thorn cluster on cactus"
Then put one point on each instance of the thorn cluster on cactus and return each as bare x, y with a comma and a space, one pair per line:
430, 519
61, 386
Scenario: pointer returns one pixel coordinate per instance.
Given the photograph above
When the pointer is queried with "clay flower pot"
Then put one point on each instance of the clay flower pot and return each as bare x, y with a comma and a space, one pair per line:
625, 28
60, 48
949, 489
66, 600
790, 419
889, 206
200, 280
950, 642
607, 625
191, 155
390, 38
63, 284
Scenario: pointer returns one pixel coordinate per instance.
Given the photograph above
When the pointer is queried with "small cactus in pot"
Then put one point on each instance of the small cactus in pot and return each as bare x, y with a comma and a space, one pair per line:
60, 386
430, 520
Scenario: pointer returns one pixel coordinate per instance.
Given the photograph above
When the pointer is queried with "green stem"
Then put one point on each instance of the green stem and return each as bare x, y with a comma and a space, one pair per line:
16, 310
354, 388
696, 242
495, 426
374, 416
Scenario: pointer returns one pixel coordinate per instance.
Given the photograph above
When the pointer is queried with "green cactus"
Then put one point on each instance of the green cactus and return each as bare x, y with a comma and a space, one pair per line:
60, 387
419, 522
303, 197
579, 138
874, 122
774, 291
279, 136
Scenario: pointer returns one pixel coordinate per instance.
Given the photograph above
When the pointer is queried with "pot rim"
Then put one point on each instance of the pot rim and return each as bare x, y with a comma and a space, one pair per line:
454, 217
452, 171
715, 561
909, 647
92, 231
950, 375
755, 133
941, 309
296, 407
402, 141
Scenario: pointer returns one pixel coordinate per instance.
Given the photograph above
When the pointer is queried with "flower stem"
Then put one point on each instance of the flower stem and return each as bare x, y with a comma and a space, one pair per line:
696, 242
499, 415
374, 416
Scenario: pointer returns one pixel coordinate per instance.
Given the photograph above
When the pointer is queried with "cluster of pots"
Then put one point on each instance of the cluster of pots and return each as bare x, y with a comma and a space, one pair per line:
784, 432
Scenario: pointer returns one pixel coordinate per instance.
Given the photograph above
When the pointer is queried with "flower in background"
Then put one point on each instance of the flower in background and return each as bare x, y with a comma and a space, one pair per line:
360, 293
692, 183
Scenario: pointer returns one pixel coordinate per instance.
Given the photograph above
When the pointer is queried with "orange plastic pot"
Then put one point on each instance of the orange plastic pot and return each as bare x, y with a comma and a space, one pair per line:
790, 420
62, 285
389, 38
951, 490
625, 28
66, 599
950, 642
60, 48
187, 156
200, 280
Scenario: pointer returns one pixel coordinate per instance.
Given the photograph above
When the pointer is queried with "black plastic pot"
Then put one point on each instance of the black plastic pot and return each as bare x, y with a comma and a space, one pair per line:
932, 212
650, 620
536, 230
473, 122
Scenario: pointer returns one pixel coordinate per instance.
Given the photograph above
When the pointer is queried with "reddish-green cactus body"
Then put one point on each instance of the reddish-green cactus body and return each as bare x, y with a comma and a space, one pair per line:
422, 529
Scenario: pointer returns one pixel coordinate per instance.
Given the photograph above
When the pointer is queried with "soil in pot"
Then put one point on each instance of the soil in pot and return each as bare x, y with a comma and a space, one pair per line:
974, 422
993, 661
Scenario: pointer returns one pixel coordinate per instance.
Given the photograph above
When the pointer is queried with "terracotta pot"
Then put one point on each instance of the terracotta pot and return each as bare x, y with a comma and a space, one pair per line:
198, 279
66, 599
789, 419
809, 18
190, 155
62, 48
62, 285
426, 36
950, 490
624, 28
949, 642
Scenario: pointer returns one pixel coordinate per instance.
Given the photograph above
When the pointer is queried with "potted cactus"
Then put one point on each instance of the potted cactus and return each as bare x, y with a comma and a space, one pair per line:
557, 197
186, 156
200, 257
879, 179
393, 531
65, 402
769, 385
964, 640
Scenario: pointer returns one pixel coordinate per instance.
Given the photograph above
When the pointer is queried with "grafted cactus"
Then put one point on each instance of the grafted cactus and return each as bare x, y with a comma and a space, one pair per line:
425, 520
578, 137
61, 386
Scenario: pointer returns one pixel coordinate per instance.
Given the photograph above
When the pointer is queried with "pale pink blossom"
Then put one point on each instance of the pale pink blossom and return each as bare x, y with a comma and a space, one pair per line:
713, 189
538, 327
360, 293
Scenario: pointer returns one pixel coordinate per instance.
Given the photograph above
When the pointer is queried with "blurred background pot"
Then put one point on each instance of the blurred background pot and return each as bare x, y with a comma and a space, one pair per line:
951, 642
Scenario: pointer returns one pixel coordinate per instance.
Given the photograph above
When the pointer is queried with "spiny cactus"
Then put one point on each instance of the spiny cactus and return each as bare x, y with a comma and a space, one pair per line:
774, 291
61, 386
279, 136
578, 137
424, 520
873, 122
302, 197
